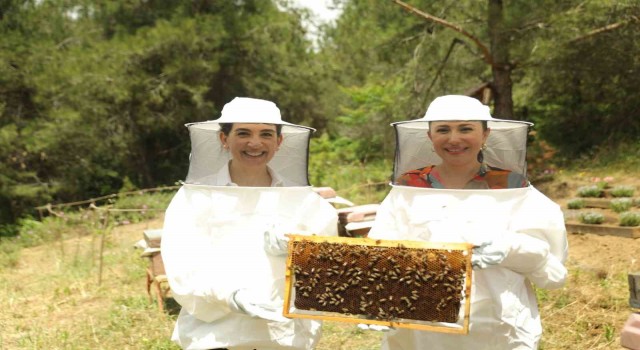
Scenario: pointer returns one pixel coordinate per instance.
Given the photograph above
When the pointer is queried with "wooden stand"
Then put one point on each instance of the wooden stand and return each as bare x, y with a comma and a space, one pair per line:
157, 279
620, 231
630, 335
156, 276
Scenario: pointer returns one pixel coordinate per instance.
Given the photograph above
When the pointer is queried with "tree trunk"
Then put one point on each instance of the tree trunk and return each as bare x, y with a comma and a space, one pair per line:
502, 85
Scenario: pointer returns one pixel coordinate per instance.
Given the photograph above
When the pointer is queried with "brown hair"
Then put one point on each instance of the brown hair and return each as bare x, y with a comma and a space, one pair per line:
483, 122
225, 128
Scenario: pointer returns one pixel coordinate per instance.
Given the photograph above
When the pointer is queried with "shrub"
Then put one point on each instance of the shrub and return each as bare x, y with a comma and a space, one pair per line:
621, 204
602, 185
592, 218
9, 253
622, 191
630, 218
589, 191
576, 203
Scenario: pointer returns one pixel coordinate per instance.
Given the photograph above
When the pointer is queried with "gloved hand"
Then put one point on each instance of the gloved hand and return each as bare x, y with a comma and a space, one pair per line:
489, 253
374, 327
241, 301
275, 242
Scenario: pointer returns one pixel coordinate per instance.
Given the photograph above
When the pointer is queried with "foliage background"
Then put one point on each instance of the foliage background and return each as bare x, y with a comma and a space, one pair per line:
94, 95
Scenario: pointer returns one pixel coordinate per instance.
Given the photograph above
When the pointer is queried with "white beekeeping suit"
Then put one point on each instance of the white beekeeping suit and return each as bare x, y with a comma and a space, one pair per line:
218, 240
520, 232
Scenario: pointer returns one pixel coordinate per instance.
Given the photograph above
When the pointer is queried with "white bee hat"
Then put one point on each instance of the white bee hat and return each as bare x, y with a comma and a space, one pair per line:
506, 146
208, 156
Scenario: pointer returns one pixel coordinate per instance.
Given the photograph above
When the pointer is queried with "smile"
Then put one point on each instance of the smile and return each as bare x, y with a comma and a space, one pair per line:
254, 154
456, 150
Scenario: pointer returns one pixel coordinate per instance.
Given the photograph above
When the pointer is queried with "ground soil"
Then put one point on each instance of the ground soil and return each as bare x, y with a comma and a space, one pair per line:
596, 251
596, 305
588, 313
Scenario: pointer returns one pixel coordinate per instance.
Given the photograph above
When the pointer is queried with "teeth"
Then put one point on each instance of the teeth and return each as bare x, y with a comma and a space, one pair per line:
254, 154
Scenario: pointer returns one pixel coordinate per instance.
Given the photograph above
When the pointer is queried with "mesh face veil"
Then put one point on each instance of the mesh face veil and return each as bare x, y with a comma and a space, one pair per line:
506, 146
207, 157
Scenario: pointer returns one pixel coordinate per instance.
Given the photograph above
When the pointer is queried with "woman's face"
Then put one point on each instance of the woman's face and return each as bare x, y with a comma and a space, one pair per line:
458, 142
252, 145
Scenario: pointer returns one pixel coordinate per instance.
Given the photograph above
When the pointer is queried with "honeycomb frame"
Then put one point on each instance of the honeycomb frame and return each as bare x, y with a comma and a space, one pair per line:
399, 284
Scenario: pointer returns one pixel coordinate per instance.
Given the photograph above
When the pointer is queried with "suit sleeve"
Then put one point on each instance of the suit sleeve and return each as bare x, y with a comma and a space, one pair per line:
538, 242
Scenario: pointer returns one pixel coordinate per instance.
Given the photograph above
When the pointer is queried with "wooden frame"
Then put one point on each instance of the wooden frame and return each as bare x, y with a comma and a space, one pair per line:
156, 277
452, 328
634, 289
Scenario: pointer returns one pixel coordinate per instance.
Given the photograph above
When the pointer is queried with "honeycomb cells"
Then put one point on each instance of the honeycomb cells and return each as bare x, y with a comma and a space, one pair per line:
381, 283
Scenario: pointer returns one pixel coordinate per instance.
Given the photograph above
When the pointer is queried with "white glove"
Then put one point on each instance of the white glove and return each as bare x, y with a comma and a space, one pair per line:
489, 254
515, 251
374, 327
241, 301
275, 242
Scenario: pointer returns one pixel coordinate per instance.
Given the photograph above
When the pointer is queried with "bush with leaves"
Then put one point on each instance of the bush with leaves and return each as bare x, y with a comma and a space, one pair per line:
590, 191
629, 218
620, 205
592, 218
622, 191
576, 203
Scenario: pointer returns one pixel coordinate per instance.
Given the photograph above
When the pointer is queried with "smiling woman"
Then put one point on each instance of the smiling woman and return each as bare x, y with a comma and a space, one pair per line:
249, 145
252, 146
224, 242
477, 194
462, 149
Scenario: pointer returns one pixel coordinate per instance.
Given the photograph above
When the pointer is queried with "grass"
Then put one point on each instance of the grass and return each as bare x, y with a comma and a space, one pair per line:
55, 300
589, 312
360, 183
52, 299
50, 296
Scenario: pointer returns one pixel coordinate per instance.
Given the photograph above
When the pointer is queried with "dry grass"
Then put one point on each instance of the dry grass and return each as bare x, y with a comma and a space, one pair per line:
51, 299
590, 311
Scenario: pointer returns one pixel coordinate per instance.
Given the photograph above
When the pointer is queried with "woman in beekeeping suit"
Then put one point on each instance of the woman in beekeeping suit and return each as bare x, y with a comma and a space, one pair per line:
460, 177
224, 245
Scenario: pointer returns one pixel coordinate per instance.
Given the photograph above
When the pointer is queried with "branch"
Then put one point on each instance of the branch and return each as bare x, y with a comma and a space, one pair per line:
604, 29
109, 196
485, 51
444, 62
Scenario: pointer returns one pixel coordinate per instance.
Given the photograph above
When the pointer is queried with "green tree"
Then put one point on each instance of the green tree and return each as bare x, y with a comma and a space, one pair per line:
93, 94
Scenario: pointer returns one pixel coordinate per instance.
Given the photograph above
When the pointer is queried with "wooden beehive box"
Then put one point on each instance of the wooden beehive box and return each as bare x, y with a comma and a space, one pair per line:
402, 284
634, 289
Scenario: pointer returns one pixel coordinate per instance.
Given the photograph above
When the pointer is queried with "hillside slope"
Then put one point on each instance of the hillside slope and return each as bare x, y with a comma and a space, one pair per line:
52, 299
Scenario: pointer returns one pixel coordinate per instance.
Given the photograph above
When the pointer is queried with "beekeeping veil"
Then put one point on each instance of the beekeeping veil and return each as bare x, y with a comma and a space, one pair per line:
506, 146
208, 156
529, 224
214, 237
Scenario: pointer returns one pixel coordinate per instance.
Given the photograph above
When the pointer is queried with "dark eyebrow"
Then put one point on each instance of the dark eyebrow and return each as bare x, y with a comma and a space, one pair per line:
248, 130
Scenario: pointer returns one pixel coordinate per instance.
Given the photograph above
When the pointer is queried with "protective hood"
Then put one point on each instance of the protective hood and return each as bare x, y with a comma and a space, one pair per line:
506, 146
208, 156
